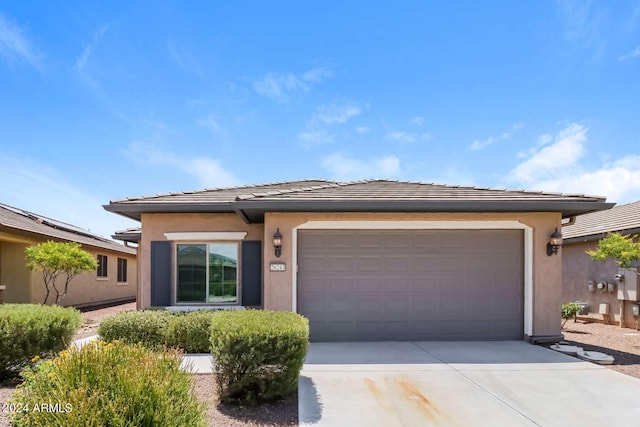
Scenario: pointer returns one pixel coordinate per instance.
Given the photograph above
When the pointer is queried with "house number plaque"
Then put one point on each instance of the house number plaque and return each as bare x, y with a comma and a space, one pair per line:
277, 266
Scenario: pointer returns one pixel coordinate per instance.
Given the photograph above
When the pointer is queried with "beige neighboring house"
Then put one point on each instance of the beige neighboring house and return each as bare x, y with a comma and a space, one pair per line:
115, 279
581, 274
363, 261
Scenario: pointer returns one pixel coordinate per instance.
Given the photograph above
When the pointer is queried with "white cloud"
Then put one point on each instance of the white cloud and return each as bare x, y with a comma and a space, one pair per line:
281, 87
407, 137
317, 74
13, 43
479, 145
337, 113
83, 59
313, 137
555, 158
635, 53
211, 123
343, 168
362, 130
47, 191
417, 120
208, 171
557, 166
185, 59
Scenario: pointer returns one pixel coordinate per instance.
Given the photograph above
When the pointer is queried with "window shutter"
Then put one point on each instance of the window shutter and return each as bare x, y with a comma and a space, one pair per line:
252, 273
160, 273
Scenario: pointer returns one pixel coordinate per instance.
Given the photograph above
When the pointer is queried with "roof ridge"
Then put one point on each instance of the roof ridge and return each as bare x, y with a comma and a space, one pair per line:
210, 189
275, 192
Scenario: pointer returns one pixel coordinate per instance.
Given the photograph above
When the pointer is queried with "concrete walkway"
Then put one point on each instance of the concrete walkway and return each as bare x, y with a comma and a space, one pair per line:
199, 363
510, 383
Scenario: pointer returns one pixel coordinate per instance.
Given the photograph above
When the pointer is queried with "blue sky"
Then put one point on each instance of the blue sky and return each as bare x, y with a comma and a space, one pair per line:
104, 100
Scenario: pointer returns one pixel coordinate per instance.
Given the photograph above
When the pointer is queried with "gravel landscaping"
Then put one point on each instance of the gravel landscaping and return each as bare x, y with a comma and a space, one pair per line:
621, 343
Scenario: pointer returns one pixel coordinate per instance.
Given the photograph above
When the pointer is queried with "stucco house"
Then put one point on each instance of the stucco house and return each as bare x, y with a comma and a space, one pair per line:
114, 281
364, 260
581, 275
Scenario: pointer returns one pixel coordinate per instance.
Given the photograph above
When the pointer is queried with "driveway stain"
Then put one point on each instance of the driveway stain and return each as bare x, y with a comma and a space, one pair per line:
401, 398
411, 393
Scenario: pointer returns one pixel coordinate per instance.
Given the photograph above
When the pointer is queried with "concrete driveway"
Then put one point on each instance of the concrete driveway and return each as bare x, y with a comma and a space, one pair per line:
504, 383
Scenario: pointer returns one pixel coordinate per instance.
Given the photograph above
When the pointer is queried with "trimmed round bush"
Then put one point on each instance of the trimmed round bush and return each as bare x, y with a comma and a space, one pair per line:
29, 330
109, 384
147, 327
258, 354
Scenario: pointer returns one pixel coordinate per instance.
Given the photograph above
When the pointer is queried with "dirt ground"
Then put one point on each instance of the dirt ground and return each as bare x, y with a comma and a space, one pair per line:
621, 343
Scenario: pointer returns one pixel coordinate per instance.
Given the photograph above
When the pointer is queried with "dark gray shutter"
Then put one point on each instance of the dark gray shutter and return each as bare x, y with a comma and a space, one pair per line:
160, 273
252, 273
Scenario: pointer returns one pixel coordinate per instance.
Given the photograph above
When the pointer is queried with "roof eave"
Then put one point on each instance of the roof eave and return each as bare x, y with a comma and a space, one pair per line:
135, 210
567, 208
254, 210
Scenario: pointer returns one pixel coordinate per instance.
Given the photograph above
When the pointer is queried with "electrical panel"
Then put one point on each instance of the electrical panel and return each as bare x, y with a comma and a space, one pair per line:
627, 281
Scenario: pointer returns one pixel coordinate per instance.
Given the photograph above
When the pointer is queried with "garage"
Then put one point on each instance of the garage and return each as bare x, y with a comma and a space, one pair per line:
398, 285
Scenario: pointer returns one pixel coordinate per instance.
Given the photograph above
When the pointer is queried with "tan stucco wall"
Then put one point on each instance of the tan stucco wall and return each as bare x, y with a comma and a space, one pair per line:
13, 273
23, 286
546, 271
578, 268
154, 226
87, 289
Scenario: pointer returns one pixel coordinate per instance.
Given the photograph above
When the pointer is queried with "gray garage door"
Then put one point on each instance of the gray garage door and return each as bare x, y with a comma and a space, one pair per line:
411, 285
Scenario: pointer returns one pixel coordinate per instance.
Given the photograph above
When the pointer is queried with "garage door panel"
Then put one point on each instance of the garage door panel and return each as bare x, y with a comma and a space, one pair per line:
397, 263
369, 263
423, 284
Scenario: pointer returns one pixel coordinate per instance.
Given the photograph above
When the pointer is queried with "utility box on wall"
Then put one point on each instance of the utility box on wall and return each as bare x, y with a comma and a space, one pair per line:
627, 281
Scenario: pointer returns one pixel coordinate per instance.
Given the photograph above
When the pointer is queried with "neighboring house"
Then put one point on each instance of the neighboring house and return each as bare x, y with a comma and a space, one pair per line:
366, 260
115, 279
578, 269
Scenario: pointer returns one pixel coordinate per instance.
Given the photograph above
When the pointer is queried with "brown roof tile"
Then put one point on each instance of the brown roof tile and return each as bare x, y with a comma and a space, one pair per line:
618, 218
20, 220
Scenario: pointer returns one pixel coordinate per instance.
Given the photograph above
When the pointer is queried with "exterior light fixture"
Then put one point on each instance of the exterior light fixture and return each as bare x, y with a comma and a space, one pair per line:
554, 243
277, 242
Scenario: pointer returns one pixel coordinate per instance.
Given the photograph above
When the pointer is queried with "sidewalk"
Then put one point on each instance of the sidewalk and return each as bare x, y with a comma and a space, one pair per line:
197, 363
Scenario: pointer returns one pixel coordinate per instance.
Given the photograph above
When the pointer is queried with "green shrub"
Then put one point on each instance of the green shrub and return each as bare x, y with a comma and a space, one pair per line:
190, 331
148, 327
29, 330
258, 354
114, 384
570, 311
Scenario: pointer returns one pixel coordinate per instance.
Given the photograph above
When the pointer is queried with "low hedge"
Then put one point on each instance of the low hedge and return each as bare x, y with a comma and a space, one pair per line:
147, 327
29, 330
258, 354
188, 331
114, 384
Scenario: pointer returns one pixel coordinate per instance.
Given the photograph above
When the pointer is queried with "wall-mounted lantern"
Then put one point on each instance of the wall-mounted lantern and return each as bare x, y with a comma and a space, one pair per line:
277, 242
554, 243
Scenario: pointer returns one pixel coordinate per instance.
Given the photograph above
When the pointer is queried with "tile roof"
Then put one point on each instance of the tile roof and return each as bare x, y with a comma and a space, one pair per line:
355, 190
379, 195
228, 194
618, 218
21, 220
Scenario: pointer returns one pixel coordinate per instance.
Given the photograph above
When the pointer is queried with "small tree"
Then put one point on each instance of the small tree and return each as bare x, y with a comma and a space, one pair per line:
56, 259
621, 249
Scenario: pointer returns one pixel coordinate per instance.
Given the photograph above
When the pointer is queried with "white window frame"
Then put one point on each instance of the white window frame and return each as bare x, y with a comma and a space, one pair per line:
207, 303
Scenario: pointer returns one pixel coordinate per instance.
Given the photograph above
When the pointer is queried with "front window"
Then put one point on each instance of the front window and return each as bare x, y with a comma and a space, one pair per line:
207, 273
102, 266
